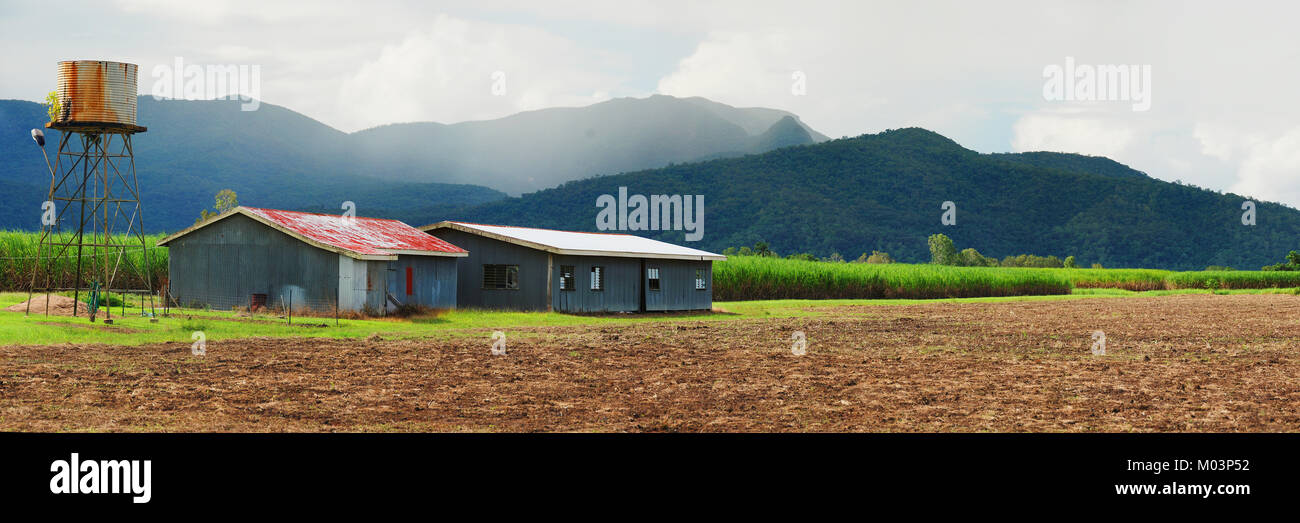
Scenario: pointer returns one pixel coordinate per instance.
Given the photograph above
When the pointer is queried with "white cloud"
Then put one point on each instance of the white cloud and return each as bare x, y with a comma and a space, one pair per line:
1270, 169
448, 72
1072, 131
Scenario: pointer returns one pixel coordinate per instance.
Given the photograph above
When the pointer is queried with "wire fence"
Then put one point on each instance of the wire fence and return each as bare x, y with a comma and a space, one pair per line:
289, 306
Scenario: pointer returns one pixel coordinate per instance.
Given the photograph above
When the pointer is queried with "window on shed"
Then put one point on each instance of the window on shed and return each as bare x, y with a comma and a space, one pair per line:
500, 276
566, 277
652, 274
700, 283
597, 278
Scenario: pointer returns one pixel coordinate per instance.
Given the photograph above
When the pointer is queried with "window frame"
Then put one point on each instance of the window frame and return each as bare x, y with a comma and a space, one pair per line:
701, 280
654, 284
596, 280
510, 272
571, 278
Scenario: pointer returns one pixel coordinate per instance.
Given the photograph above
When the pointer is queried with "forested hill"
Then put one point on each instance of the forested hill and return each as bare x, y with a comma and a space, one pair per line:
885, 191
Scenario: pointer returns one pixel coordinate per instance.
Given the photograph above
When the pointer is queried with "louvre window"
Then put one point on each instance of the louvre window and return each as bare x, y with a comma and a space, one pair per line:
597, 278
500, 276
699, 280
566, 278
652, 274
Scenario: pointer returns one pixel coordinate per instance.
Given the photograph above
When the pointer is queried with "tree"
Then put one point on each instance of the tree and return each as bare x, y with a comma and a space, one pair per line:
761, 249
1069, 262
834, 258
942, 250
225, 201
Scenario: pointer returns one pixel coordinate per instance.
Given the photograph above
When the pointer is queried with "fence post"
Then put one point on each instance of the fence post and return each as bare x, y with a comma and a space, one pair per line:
336, 307
290, 306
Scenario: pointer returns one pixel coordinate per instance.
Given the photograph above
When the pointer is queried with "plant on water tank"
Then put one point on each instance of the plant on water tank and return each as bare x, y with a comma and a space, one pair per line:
53, 106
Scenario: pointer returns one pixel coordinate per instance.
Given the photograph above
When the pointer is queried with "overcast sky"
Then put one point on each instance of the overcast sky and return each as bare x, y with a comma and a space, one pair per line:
1225, 76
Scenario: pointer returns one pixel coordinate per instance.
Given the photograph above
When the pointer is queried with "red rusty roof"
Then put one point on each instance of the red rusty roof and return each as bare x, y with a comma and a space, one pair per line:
371, 236
363, 237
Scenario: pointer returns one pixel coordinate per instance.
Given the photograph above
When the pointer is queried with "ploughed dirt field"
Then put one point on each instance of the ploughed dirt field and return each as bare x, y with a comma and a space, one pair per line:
1175, 363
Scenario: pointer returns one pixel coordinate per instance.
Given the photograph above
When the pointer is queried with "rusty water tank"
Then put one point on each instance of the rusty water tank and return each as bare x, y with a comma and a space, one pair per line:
95, 91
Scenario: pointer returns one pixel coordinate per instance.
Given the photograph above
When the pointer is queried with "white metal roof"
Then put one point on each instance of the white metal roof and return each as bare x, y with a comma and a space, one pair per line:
581, 243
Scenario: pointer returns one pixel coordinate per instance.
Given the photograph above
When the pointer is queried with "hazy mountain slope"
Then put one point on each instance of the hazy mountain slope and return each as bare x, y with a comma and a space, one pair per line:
884, 192
754, 120
539, 149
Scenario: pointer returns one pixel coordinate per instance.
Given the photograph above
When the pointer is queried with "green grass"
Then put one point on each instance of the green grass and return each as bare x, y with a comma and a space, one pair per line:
132, 329
18, 329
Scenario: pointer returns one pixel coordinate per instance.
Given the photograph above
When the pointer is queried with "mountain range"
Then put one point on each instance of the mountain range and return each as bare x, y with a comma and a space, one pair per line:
886, 192
275, 157
764, 175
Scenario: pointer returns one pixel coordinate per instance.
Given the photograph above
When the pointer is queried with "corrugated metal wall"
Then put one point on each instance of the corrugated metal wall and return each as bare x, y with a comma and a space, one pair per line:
432, 280
222, 264
622, 290
470, 293
677, 290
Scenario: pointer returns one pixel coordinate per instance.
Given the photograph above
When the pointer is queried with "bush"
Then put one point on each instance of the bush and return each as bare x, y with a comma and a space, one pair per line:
970, 257
875, 257
1030, 260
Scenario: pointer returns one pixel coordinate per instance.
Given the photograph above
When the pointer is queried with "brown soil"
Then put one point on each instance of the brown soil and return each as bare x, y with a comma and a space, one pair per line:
58, 305
1177, 363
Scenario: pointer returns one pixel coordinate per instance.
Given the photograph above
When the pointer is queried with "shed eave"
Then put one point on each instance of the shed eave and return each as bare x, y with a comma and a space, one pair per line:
646, 255
573, 252
404, 252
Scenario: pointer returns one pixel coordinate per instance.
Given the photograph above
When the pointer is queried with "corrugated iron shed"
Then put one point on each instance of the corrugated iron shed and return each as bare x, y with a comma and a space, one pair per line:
357, 237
